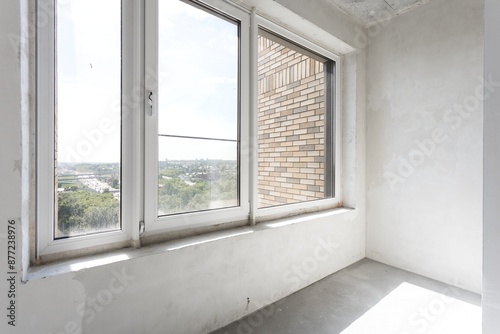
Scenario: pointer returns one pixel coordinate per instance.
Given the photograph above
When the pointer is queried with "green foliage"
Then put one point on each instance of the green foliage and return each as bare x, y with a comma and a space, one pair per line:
185, 186
175, 195
203, 191
83, 212
72, 187
115, 183
172, 172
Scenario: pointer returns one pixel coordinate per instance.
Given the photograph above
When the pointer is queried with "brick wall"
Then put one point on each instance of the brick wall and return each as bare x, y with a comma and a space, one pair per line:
291, 125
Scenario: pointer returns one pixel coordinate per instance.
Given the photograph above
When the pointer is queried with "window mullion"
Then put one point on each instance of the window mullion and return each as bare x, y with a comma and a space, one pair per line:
151, 83
45, 129
253, 116
132, 111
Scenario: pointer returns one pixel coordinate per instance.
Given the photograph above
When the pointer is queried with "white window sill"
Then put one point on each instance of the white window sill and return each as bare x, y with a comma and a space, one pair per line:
74, 265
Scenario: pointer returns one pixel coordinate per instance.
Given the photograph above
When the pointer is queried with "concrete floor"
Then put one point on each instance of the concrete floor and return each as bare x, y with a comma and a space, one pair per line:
368, 298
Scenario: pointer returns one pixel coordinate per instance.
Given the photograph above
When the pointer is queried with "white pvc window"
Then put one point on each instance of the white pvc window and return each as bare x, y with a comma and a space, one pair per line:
150, 119
297, 121
80, 125
196, 166
87, 131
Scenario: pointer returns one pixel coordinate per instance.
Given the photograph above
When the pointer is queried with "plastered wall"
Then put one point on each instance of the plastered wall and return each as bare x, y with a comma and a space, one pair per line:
491, 209
424, 142
193, 285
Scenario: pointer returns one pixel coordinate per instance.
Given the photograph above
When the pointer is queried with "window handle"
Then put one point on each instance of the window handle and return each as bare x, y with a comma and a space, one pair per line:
152, 104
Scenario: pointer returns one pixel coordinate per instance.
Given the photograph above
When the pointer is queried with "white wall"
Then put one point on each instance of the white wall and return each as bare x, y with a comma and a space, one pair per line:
167, 288
424, 142
491, 229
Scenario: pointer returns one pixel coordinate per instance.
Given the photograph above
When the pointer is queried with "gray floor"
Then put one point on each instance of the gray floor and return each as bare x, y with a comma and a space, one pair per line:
368, 297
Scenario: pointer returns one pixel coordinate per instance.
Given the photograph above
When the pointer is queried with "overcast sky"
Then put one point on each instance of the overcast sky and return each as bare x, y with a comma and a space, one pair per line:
198, 61
198, 58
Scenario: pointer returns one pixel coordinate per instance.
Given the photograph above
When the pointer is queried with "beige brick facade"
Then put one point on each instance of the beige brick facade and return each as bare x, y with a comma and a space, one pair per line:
291, 125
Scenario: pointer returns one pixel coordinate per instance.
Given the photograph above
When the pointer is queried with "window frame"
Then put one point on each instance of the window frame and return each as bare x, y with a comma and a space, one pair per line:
46, 244
154, 223
280, 211
139, 136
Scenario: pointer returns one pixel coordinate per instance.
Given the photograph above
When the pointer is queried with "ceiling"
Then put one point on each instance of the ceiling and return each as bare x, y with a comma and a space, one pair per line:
370, 12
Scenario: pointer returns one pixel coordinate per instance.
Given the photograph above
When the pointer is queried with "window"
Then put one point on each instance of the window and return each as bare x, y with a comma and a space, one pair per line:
295, 123
87, 131
197, 109
80, 126
224, 118
195, 172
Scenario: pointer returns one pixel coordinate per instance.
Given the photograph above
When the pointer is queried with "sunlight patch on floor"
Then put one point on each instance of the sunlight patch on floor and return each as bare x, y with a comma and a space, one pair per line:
410, 309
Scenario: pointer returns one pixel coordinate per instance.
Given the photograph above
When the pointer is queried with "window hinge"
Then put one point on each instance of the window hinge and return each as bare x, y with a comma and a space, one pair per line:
142, 227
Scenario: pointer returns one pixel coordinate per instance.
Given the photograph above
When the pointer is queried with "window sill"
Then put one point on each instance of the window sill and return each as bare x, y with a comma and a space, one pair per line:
87, 262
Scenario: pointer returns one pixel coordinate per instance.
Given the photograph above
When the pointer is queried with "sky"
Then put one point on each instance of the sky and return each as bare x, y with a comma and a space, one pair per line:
88, 80
198, 66
198, 85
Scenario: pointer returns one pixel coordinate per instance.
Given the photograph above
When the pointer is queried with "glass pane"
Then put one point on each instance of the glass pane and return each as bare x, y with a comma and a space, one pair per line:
198, 68
87, 116
196, 174
291, 121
